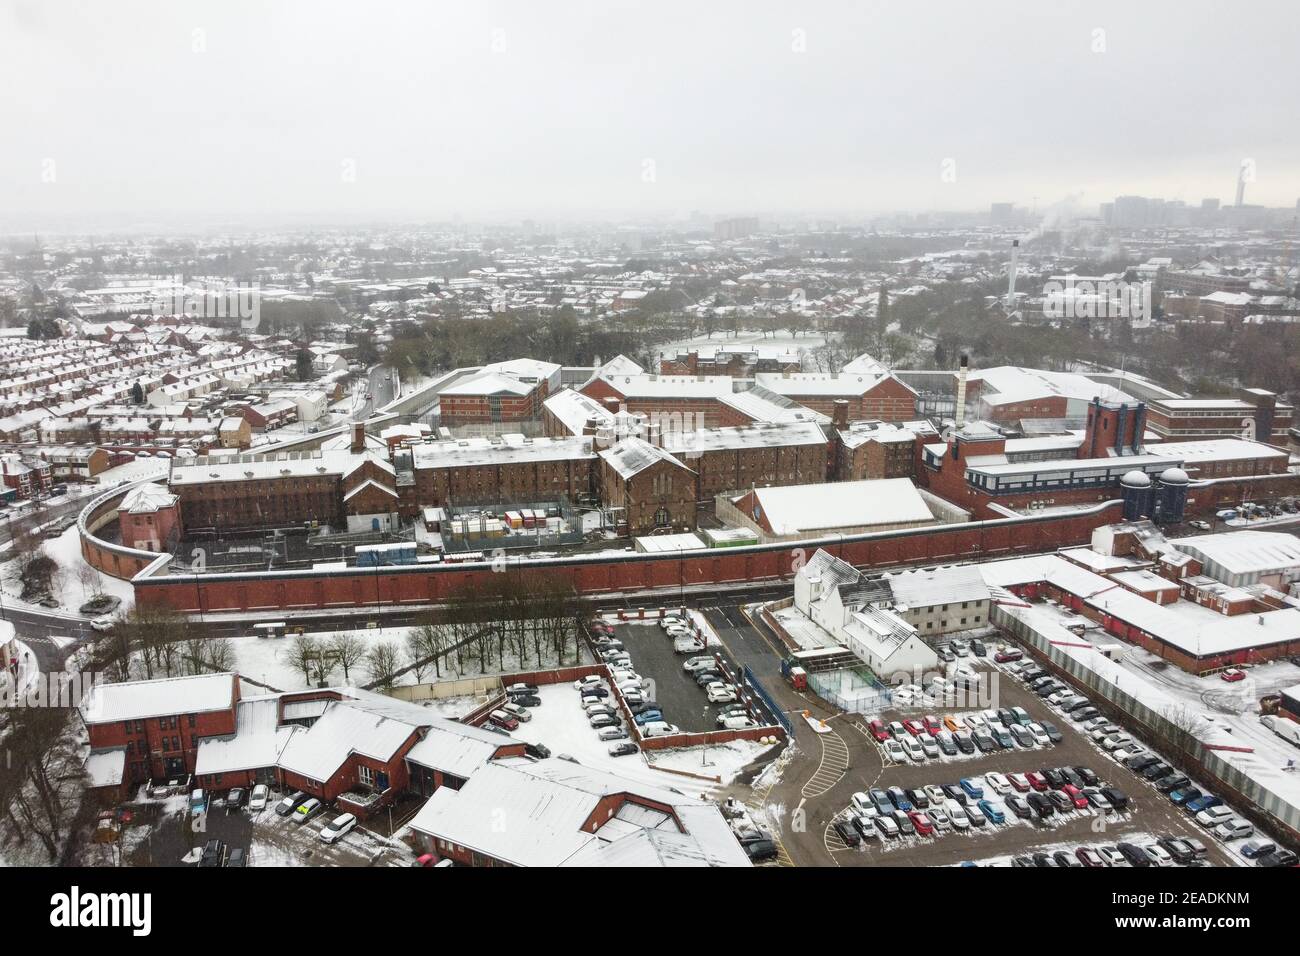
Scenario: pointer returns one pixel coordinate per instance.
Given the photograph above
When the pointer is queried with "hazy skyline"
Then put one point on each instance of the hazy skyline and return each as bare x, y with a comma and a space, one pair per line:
188, 113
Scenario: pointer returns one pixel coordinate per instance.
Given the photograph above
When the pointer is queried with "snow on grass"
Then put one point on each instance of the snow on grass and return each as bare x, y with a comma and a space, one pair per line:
724, 761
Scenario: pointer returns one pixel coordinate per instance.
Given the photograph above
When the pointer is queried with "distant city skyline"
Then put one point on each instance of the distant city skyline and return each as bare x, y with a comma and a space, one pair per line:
128, 115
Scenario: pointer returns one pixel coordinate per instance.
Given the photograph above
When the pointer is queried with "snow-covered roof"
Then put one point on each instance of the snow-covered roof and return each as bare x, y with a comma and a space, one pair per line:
1009, 384
930, 586
552, 808
793, 509
1245, 552
256, 743
764, 405
139, 700
632, 455
147, 498
500, 449
821, 384
574, 409
1216, 449
762, 435
106, 768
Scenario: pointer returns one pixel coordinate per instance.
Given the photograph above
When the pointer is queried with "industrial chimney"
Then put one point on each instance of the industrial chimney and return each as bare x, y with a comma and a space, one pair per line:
961, 384
1011, 276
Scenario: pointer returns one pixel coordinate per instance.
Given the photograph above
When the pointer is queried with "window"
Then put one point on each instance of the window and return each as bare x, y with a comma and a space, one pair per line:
365, 775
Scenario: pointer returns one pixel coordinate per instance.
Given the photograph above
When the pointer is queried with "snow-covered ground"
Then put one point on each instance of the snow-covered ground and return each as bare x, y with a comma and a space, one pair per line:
268, 660
76, 581
781, 340
562, 726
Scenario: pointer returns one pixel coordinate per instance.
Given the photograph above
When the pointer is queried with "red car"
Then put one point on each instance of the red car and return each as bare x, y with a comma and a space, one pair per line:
921, 820
1003, 657
914, 727
1232, 675
878, 730
1037, 781
932, 725
1089, 857
1076, 796
1018, 782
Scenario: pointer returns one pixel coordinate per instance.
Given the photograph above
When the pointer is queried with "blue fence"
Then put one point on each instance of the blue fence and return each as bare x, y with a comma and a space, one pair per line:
768, 701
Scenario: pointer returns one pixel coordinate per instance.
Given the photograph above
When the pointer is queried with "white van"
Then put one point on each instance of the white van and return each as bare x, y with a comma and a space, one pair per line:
737, 723
659, 728
687, 645
514, 710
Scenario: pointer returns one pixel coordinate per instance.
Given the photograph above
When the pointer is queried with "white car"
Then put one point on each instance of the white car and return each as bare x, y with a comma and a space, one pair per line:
895, 752
257, 800
669, 620
582, 683
957, 813
913, 749
101, 624
1039, 735
939, 817
699, 663
861, 802
720, 693
937, 797
1234, 829
1158, 854
998, 782
338, 828
1213, 817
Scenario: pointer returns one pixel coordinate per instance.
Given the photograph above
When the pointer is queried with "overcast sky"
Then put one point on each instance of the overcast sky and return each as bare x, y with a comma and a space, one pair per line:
121, 113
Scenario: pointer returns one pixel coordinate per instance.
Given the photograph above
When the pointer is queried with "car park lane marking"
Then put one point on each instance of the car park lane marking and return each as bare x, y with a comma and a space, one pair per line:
834, 764
756, 804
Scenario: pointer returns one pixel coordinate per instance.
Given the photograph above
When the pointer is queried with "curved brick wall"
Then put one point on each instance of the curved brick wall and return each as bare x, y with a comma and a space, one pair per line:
115, 560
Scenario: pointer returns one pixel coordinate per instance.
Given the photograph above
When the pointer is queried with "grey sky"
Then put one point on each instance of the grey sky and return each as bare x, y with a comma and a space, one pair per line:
552, 110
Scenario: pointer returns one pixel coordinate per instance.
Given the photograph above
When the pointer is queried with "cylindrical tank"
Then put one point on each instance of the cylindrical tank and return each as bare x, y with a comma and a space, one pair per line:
1135, 488
1171, 495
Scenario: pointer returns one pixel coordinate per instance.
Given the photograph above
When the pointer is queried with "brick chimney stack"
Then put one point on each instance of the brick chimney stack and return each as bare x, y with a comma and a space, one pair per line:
358, 437
840, 414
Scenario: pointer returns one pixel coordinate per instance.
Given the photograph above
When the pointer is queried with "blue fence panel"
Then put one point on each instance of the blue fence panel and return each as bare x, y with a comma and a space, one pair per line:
768, 701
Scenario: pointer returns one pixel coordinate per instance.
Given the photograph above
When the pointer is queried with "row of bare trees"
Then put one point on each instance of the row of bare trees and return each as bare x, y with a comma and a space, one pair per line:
152, 642
520, 619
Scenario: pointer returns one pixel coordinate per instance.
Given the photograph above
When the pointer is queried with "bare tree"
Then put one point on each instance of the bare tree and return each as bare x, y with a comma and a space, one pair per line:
382, 663
303, 652
348, 650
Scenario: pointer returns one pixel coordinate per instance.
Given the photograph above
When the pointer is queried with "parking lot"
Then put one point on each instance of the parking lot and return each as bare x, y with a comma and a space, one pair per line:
166, 835
682, 701
1150, 815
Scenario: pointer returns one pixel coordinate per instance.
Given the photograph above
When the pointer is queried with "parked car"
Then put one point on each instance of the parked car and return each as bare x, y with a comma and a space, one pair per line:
609, 734
847, 832
307, 810
257, 801
236, 798
290, 803
599, 721
1256, 848
1020, 806
623, 749
338, 828
1089, 857
895, 752
1118, 799
1233, 674
503, 720
1234, 828
237, 859
876, 727
921, 823
1097, 800
991, 812
214, 851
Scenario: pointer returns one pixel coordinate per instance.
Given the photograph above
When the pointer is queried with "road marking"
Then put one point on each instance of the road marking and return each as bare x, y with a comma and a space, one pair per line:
757, 808
834, 764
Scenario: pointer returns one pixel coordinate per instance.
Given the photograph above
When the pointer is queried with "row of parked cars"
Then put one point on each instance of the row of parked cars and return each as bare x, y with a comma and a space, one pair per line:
1166, 851
973, 802
684, 635
989, 731
603, 714
1208, 810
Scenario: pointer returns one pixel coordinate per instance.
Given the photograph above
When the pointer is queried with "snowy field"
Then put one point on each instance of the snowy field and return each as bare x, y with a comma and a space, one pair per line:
269, 660
746, 337
75, 583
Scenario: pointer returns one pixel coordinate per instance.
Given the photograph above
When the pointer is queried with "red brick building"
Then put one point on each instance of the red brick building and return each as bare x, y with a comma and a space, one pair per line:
870, 396
651, 489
